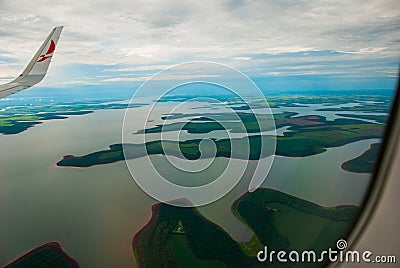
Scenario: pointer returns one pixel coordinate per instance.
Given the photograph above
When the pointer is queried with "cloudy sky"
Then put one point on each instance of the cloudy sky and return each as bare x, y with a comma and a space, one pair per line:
285, 44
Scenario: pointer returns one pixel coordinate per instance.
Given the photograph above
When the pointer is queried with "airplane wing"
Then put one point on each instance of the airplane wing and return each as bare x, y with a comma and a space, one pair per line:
37, 67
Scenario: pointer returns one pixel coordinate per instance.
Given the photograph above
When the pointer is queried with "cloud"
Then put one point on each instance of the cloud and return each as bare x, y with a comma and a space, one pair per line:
256, 37
139, 68
168, 77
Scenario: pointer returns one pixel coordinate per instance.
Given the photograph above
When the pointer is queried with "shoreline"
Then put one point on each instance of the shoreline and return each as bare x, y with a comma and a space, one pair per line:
155, 213
135, 242
237, 201
55, 245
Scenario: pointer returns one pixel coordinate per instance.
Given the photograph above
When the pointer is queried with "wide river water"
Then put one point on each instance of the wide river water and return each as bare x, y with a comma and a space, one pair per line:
94, 212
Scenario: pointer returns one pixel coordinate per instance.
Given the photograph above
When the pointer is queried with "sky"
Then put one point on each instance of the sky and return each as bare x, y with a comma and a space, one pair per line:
280, 44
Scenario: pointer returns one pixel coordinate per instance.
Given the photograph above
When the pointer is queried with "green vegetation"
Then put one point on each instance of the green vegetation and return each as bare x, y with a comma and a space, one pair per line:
18, 119
365, 162
262, 208
114, 154
215, 121
49, 255
216, 247
14, 120
278, 220
308, 135
184, 257
252, 247
191, 127
19, 123
310, 140
378, 118
296, 99
284, 222
179, 228
372, 108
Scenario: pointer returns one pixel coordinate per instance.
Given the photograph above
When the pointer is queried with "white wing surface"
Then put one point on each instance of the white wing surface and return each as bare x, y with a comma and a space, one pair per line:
37, 67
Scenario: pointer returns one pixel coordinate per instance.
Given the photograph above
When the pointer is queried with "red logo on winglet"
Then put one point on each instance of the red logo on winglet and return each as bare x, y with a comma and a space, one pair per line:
47, 55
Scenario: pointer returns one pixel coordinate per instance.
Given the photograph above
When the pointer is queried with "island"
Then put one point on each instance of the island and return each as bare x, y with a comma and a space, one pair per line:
307, 135
19, 123
365, 162
21, 118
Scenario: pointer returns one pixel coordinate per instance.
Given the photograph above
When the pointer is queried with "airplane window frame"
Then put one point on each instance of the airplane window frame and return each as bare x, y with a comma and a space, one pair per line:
390, 145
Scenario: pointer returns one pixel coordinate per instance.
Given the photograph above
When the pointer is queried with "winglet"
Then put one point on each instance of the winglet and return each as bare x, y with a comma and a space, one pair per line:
37, 67
39, 64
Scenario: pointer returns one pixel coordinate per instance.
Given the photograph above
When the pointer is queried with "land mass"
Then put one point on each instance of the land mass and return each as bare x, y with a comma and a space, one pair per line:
378, 118
278, 220
48, 255
15, 122
365, 162
308, 135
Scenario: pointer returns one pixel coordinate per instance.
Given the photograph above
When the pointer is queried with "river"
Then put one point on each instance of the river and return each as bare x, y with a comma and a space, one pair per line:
94, 212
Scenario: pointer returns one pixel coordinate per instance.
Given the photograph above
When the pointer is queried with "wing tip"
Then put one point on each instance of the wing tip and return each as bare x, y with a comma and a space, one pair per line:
58, 29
